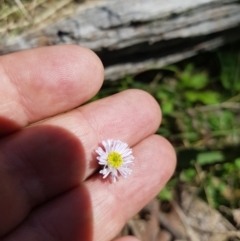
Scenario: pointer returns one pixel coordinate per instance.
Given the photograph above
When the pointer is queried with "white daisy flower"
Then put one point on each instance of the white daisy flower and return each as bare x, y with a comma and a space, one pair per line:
117, 157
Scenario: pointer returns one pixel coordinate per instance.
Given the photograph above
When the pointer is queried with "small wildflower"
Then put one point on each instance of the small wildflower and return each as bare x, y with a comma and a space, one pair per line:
115, 157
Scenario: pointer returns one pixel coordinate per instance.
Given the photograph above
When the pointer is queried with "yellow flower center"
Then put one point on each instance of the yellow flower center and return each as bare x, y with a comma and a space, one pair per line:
114, 159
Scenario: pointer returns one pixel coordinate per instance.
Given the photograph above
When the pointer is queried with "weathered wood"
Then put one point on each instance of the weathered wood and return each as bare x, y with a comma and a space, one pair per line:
133, 35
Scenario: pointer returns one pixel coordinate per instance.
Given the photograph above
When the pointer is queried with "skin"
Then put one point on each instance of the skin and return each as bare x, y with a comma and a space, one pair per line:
49, 182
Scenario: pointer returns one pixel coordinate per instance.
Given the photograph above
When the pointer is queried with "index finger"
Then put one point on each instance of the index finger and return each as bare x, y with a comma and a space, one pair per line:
40, 83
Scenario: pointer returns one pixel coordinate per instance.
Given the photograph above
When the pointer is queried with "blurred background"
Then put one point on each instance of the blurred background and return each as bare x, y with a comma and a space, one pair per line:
187, 55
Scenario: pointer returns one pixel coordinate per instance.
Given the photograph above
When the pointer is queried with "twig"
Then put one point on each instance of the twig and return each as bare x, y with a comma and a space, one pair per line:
165, 223
199, 171
9, 12
15, 9
40, 19
230, 233
234, 98
51, 11
210, 134
23, 9
192, 235
134, 228
226, 105
33, 7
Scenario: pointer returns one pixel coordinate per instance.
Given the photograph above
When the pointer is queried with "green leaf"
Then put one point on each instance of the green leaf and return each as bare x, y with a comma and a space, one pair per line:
206, 97
185, 76
188, 174
230, 70
237, 162
167, 107
209, 97
229, 167
166, 194
191, 96
161, 95
222, 120
197, 81
210, 157
163, 131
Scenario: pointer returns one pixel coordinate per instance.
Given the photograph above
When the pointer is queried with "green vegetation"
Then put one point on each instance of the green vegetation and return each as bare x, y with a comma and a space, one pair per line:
200, 101
17, 17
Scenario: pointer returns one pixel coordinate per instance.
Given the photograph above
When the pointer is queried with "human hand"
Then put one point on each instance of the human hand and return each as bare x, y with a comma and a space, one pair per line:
50, 188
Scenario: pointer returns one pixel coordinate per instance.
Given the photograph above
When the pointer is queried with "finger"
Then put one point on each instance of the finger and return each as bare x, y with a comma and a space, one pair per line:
36, 164
46, 160
98, 209
114, 204
39, 83
128, 116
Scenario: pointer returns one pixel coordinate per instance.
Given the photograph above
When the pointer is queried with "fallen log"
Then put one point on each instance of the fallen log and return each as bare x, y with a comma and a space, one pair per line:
134, 35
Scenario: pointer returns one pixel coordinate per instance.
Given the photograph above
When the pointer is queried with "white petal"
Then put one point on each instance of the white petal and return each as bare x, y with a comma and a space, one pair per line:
120, 147
105, 172
99, 151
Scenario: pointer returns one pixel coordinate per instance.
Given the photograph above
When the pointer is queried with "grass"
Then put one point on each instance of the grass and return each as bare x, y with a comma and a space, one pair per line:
18, 16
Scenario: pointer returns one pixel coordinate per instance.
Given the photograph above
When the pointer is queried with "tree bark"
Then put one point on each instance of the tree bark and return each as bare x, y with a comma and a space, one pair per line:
134, 35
